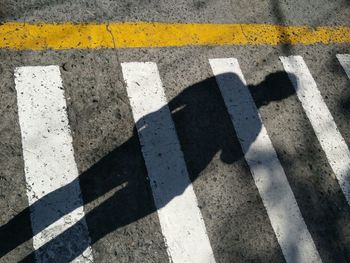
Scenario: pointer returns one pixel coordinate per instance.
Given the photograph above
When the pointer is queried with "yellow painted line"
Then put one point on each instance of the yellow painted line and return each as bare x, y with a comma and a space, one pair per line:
22, 36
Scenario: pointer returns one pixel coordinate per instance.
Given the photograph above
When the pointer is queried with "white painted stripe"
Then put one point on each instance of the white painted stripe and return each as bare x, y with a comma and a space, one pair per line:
332, 143
49, 162
286, 220
180, 218
344, 60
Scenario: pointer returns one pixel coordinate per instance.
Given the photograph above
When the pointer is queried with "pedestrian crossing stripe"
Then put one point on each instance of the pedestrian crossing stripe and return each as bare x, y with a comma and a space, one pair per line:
344, 60
49, 161
269, 177
44, 84
173, 194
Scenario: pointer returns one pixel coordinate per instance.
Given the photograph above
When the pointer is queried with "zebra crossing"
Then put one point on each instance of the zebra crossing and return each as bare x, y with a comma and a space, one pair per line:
55, 198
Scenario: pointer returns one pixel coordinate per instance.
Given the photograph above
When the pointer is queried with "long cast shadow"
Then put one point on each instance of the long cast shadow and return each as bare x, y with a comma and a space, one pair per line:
199, 110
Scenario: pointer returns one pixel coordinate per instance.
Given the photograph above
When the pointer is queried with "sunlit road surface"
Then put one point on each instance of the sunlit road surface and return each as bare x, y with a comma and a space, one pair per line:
175, 132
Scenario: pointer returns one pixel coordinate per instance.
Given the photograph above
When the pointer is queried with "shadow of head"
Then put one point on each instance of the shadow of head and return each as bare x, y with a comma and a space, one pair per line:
275, 87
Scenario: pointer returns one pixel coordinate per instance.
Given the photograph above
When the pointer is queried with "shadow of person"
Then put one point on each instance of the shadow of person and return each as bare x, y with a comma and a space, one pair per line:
204, 129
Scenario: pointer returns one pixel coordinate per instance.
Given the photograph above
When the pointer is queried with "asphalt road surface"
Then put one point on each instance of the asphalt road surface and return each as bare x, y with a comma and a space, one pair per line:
230, 153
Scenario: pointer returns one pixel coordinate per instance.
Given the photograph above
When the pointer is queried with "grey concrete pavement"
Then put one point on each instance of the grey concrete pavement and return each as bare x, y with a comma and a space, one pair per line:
118, 203
224, 11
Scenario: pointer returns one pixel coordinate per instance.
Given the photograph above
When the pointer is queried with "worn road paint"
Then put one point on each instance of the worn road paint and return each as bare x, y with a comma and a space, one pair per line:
344, 60
49, 164
283, 211
24, 36
180, 218
332, 143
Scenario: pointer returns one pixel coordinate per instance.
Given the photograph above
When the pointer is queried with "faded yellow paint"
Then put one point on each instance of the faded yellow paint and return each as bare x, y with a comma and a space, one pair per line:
24, 36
